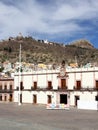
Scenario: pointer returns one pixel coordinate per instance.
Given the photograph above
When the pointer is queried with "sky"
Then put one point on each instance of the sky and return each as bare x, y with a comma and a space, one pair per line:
61, 21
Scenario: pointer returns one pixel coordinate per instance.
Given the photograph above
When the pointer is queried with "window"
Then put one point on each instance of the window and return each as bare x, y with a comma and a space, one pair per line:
97, 84
0, 87
63, 84
10, 87
78, 85
5, 87
49, 85
0, 97
35, 85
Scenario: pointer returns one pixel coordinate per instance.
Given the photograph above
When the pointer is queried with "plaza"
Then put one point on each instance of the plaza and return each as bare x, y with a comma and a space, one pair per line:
37, 117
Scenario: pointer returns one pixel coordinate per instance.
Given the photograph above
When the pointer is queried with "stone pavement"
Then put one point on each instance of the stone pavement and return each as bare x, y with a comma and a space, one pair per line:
37, 117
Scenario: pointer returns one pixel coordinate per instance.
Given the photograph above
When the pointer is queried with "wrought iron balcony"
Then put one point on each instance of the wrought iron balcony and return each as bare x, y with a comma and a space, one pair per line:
6, 90
85, 88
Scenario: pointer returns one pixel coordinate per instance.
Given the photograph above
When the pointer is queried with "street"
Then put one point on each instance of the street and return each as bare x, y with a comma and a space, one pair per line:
37, 117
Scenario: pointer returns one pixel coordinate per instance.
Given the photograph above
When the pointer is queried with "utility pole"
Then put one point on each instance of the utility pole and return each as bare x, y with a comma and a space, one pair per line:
19, 93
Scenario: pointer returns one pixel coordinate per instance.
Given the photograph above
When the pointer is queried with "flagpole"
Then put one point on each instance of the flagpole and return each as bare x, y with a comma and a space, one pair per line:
19, 94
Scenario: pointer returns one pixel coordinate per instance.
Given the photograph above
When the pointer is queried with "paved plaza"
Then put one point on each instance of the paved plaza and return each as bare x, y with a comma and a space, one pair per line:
37, 117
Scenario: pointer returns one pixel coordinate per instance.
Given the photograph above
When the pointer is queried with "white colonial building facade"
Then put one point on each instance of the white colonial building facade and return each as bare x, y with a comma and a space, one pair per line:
71, 86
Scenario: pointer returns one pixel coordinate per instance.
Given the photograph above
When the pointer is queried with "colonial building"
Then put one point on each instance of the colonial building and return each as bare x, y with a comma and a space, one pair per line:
6, 89
72, 87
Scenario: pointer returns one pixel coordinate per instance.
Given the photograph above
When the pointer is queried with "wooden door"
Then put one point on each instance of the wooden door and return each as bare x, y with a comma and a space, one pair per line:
63, 98
20, 98
34, 99
5, 98
49, 99
76, 100
97, 84
11, 98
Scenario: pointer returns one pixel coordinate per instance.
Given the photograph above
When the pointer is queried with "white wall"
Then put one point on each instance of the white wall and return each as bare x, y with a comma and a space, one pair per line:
16, 96
88, 80
55, 81
71, 81
27, 82
90, 105
27, 97
41, 81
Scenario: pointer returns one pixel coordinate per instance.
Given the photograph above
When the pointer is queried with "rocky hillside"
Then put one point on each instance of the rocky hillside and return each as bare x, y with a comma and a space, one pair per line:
83, 44
38, 51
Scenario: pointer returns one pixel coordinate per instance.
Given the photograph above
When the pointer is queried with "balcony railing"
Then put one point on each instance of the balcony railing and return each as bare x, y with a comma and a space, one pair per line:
85, 88
43, 88
49, 88
33, 88
6, 90
62, 88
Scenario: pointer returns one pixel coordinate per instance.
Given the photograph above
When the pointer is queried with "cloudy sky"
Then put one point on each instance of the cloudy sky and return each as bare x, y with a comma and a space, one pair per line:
61, 21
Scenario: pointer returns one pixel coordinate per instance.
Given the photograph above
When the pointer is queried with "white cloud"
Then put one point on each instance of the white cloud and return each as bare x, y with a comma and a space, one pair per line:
77, 10
61, 16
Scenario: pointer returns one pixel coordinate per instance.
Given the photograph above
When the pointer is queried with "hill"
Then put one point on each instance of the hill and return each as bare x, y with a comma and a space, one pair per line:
39, 51
83, 43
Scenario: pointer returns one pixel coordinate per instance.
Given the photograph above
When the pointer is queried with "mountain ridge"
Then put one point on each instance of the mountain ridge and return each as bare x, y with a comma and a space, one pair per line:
39, 51
83, 43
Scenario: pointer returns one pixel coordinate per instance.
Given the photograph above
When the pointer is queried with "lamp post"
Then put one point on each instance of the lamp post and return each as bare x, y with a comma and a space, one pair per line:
97, 100
19, 93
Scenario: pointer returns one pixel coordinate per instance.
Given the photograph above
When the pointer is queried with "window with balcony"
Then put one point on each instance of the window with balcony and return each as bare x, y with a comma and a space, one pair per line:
5, 87
35, 85
0, 87
78, 85
96, 83
63, 84
10, 87
49, 85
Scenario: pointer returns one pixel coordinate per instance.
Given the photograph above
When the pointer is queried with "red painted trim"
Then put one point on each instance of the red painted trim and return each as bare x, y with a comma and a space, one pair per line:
81, 78
94, 78
74, 79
